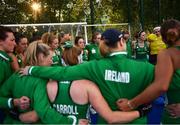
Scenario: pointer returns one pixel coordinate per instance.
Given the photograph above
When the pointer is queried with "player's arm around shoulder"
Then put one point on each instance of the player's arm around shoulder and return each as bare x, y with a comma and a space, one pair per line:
164, 69
88, 91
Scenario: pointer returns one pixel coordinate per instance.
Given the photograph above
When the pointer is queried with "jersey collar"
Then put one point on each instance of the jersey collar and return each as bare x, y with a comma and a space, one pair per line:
118, 53
5, 56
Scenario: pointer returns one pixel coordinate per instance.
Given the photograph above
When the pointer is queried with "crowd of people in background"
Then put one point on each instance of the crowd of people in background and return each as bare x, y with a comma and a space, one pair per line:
114, 78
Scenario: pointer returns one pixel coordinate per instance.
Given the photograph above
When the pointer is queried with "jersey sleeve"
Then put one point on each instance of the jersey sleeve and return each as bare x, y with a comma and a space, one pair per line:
81, 71
1, 74
5, 92
42, 106
87, 46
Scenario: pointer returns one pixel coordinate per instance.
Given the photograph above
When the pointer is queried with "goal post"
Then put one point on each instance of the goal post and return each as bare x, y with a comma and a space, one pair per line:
74, 29
103, 27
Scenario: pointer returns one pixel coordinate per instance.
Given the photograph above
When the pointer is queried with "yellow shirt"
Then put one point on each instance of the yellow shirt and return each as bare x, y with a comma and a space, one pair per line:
156, 44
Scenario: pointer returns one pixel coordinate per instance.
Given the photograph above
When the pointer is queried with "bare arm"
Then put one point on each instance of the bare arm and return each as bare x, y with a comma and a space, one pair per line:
84, 91
29, 117
101, 106
163, 74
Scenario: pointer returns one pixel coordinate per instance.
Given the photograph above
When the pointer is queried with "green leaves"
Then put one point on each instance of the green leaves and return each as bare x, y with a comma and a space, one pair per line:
105, 11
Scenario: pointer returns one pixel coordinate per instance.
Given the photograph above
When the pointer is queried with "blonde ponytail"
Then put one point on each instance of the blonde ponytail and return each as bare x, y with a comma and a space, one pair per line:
33, 50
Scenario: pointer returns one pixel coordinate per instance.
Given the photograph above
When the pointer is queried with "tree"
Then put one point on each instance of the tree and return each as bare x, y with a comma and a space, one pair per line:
115, 11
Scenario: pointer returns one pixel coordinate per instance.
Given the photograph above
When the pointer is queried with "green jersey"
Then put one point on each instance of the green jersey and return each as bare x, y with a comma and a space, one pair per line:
59, 50
93, 52
35, 90
116, 76
19, 59
56, 59
142, 53
173, 97
84, 55
64, 104
5, 70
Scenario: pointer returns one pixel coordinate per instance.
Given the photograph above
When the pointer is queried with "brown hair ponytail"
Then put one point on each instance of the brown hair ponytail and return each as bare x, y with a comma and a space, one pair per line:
104, 49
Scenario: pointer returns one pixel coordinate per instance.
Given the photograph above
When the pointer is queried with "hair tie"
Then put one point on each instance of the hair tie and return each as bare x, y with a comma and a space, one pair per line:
68, 44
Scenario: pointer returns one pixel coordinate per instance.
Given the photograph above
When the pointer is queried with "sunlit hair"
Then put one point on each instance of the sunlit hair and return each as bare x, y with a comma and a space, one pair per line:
48, 38
104, 49
170, 31
33, 50
94, 36
70, 55
126, 32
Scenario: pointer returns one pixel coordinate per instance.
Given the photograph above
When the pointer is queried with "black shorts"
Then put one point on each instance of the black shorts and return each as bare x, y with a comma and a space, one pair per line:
153, 59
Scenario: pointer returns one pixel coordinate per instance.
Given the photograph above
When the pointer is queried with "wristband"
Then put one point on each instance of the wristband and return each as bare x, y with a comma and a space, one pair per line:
10, 105
14, 114
141, 114
144, 109
30, 70
129, 105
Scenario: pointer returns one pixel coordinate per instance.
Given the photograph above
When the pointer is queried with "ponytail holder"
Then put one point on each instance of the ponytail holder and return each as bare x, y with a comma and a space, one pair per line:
68, 44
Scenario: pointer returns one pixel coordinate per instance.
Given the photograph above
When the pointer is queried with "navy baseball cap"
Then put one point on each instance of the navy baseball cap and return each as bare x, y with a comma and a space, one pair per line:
112, 35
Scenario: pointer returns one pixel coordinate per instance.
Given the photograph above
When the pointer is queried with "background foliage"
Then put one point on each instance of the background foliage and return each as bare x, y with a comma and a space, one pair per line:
105, 11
